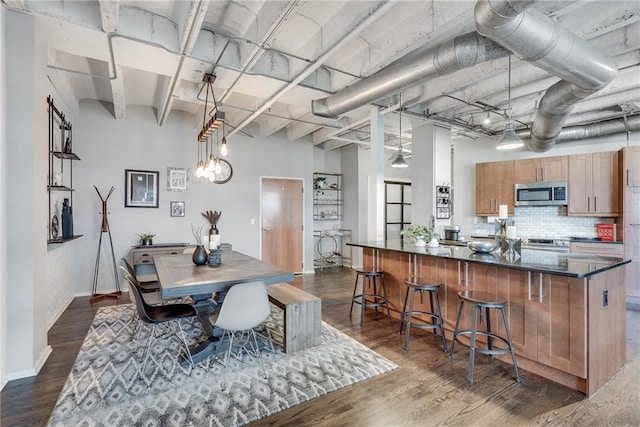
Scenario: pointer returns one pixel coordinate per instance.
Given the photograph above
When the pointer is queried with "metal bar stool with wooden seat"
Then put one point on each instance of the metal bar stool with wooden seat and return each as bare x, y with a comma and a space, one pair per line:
486, 301
417, 284
369, 299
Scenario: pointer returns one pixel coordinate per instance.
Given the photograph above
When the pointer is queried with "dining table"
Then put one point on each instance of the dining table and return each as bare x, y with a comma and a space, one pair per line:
179, 277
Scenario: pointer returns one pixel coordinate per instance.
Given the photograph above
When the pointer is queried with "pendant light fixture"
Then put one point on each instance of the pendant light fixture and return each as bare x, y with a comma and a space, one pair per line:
224, 150
509, 140
399, 160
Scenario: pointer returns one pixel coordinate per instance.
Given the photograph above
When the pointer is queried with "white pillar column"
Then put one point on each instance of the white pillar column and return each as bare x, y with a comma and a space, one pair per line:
430, 166
375, 221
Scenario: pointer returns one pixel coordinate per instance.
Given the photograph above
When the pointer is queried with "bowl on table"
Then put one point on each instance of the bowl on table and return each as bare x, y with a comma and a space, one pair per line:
482, 247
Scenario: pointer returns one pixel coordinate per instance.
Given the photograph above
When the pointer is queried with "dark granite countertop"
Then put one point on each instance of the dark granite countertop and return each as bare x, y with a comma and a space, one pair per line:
564, 264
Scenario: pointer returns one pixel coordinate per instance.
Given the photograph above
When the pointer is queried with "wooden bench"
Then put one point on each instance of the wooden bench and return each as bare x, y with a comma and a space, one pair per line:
302, 316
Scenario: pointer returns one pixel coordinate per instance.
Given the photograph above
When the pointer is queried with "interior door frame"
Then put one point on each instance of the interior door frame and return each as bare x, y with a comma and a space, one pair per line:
304, 214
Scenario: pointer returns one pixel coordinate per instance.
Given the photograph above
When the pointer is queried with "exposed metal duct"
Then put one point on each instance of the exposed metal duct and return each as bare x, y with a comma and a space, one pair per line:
593, 130
536, 38
461, 52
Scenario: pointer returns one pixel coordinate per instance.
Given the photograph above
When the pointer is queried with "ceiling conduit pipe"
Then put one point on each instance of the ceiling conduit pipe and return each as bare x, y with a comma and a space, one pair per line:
461, 52
536, 38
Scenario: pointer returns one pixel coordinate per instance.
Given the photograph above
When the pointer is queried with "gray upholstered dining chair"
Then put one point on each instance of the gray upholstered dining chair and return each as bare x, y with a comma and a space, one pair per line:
245, 306
161, 314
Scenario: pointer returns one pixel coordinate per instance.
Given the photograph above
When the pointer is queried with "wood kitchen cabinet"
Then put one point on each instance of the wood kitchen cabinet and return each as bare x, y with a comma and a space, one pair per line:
542, 169
631, 166
494, 187
593, 184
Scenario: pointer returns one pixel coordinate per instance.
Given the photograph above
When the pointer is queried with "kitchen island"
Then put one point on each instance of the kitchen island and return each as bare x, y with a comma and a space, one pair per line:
567, 312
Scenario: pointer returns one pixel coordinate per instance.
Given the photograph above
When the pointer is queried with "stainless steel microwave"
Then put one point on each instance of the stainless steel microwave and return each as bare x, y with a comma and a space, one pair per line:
542, 194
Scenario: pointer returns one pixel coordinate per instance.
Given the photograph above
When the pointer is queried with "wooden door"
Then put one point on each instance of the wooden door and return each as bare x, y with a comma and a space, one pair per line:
504, 192
484, 189
632, 166
580, 183
282, 222
526, 171
562, 341
554, 168
523, 314
605, 184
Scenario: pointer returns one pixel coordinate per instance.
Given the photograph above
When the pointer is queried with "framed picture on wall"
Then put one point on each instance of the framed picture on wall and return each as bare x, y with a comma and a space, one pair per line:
177, 208
177, 179
141, 189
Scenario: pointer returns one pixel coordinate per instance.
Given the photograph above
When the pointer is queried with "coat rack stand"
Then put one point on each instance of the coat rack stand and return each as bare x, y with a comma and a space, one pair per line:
104, 229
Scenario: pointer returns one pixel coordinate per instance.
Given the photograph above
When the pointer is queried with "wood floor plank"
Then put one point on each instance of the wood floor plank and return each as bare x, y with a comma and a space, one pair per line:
427, 389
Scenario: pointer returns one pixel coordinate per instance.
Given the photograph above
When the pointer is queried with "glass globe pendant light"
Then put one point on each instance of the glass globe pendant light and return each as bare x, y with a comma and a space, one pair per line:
509, 140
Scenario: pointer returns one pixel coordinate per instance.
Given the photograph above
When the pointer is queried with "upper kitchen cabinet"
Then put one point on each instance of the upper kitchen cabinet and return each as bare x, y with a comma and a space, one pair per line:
542, 169
494, 187
593, 184
631, 166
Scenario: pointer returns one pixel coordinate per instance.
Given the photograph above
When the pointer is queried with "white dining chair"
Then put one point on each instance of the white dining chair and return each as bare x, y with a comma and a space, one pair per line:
245, 306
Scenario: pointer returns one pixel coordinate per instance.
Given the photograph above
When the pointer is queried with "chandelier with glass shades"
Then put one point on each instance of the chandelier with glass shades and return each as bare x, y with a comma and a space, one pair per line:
210, 148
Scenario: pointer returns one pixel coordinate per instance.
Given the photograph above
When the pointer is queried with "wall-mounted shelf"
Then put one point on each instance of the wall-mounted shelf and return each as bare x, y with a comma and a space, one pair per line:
327, 196
60, 177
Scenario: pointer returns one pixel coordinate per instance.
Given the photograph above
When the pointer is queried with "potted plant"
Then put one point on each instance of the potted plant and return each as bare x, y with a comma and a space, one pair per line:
146, 239
420, 235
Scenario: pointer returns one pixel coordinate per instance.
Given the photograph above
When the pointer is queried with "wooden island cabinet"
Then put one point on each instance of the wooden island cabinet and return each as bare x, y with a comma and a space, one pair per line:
566, 312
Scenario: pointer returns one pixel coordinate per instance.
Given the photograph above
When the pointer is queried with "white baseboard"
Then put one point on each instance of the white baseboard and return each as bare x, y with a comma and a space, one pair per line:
33, 371
57, 316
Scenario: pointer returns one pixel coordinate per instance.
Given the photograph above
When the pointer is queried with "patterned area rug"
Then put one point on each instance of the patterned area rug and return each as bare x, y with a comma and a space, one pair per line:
106, 388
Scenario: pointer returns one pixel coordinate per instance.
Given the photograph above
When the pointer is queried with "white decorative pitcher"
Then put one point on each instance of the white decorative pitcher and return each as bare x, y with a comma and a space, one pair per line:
420, 242
433, 243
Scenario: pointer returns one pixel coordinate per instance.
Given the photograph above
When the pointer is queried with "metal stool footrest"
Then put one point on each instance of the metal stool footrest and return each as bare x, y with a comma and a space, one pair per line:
490, 351
378, 300
415, 324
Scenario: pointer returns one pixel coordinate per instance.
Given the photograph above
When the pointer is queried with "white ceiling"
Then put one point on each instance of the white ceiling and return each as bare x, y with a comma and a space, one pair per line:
272, 58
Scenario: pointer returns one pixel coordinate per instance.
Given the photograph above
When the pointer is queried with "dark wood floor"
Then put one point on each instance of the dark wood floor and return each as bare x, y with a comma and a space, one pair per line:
427, 389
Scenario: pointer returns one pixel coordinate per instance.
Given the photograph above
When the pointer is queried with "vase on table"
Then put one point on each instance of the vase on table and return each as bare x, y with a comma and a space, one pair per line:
420, 242
199, 256
433, 243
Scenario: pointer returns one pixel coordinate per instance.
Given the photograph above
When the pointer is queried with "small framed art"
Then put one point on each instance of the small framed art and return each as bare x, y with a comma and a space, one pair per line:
141, 189
177, 179
177, 208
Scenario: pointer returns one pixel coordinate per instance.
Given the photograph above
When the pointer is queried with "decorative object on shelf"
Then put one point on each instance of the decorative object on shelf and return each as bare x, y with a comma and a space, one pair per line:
214, 234
177, 208
483, 247
320, 182
215, 257
141, 189
199, 256
509, 140
399, 161
178, 179
511, 247
420, 234
67, 219
146, 239
214, 168
104, 228
54, 227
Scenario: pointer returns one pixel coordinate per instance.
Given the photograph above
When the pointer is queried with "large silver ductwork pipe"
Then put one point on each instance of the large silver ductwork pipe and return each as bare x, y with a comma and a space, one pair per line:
536, 38
593, 130
461, 52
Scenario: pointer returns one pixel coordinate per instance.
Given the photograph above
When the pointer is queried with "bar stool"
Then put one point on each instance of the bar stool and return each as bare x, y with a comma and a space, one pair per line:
369, 299
416, 284
486, 301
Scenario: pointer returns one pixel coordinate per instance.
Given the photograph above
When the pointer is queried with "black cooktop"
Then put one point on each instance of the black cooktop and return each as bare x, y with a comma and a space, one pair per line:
585, 239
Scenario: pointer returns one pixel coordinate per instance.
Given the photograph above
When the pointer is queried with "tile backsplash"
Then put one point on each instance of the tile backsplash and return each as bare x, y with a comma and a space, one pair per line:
547, 222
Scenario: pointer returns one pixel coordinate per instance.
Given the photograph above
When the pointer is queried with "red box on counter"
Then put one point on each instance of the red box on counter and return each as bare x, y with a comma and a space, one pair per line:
607, 232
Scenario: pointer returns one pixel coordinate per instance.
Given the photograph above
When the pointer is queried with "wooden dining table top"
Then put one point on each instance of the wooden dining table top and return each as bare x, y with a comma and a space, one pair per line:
178, 276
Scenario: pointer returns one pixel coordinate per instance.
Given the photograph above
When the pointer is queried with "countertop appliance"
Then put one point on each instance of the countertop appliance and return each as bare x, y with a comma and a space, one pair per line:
542, 194
546, 244
452, 232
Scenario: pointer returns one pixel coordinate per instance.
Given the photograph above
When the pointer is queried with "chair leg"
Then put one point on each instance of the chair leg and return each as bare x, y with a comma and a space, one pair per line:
184, 342
355, 286
472, 347
440, 321
513, 354
409, 319
386, 300
150, 340
404, 309
455, 329
257, 349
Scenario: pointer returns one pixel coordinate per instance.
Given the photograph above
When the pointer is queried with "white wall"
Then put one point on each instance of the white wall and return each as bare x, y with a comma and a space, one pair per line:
26, 197
107, 147
3, 225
